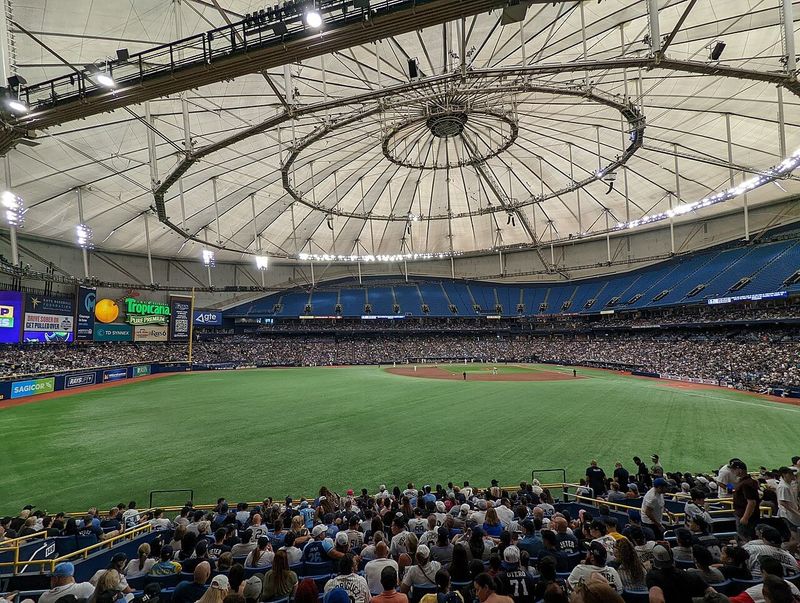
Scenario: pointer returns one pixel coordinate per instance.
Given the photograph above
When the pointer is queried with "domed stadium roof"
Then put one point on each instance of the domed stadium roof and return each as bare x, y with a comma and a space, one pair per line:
507, 135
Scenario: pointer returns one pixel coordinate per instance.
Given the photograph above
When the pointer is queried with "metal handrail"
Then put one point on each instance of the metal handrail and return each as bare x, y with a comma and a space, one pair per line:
19, 540
82, 553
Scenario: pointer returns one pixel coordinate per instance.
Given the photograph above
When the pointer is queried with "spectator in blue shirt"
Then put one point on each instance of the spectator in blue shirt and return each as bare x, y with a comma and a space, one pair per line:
189, 592
531, 542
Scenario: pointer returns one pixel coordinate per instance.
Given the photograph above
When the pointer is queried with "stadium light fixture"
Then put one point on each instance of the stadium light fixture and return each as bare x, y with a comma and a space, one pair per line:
262, 262
13, 209
783, 169
393, 258
84, 236
208, 258
17, 106
313, 19
105, 80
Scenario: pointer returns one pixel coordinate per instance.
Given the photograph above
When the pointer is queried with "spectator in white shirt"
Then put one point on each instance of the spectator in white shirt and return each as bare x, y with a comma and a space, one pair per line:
373, 569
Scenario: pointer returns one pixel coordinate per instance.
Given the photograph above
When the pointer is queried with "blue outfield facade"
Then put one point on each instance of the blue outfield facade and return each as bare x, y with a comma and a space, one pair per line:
718, 275
14, 389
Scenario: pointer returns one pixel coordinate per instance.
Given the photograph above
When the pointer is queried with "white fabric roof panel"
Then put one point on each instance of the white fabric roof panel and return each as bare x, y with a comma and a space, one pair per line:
108, 153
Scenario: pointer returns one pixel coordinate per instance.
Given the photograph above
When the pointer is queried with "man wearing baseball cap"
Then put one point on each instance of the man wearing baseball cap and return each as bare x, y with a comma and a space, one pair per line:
317, 551
653, 507
166, 566
595, 562
424, 572
667, 583
746, 499
62, 583
514, 581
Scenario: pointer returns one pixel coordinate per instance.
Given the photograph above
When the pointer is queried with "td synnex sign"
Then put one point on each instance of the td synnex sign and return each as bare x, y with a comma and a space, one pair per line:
146, 312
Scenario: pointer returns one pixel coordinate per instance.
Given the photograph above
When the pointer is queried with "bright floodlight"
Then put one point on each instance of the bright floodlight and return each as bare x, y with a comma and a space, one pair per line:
262, 262
208, 258
105, 80
84, 236
16, 105
14, 213
313, 19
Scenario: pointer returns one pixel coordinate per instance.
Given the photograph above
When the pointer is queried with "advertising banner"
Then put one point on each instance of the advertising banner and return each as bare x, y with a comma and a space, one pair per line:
207, 318
150, 333
146, 312
48, 322
141, 371
84, 313
47, 337
45, 304
115, 374
81, 380
113, 332
10, 316
180, 309
33, 387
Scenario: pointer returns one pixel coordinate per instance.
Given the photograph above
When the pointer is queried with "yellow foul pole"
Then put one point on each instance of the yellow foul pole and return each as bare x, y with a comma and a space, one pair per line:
191, 327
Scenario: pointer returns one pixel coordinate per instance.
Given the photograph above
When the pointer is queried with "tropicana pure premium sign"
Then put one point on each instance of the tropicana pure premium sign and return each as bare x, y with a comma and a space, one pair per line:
146, 312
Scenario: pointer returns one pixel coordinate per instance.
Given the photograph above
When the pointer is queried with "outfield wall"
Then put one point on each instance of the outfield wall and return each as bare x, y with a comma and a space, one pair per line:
15, 389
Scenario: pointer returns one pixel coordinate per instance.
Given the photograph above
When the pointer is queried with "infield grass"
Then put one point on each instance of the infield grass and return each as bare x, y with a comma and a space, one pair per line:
250, 434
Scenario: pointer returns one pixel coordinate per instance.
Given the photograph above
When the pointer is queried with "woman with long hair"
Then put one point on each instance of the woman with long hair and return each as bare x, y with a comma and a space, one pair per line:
734, 563
71, 527
307, 592
300, 531
459, 565
188, 542
219, 589
180, 532
478, 547
224, 562
491, 524
280, 581
405, 508
108, 584
262, 556
629, 566
142, 564
236, 577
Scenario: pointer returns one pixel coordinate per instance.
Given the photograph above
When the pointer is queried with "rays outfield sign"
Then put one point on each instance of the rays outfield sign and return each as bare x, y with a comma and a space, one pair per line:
146, 312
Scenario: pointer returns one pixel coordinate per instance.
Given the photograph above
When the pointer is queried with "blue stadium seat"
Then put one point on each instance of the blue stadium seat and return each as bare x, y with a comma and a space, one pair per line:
252, 571
165, 581
636, 596
311, 569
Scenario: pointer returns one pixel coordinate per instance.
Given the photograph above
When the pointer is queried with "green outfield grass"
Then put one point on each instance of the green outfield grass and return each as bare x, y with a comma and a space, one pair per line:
249, 434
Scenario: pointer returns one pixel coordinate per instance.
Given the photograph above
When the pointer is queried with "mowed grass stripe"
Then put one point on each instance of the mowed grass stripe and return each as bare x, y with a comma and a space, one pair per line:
249, 434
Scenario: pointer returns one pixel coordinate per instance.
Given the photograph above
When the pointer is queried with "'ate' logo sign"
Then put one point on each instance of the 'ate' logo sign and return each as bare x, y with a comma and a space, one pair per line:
146, 312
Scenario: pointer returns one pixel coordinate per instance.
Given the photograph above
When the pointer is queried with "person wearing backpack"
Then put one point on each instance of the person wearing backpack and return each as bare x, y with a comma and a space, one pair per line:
443, 592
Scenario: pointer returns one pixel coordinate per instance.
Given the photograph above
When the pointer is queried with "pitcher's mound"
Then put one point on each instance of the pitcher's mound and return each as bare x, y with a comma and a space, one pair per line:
430, 372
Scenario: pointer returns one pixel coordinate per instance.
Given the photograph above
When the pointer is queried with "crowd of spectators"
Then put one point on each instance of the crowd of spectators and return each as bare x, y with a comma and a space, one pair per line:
753, 359
682, 315
515, 543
